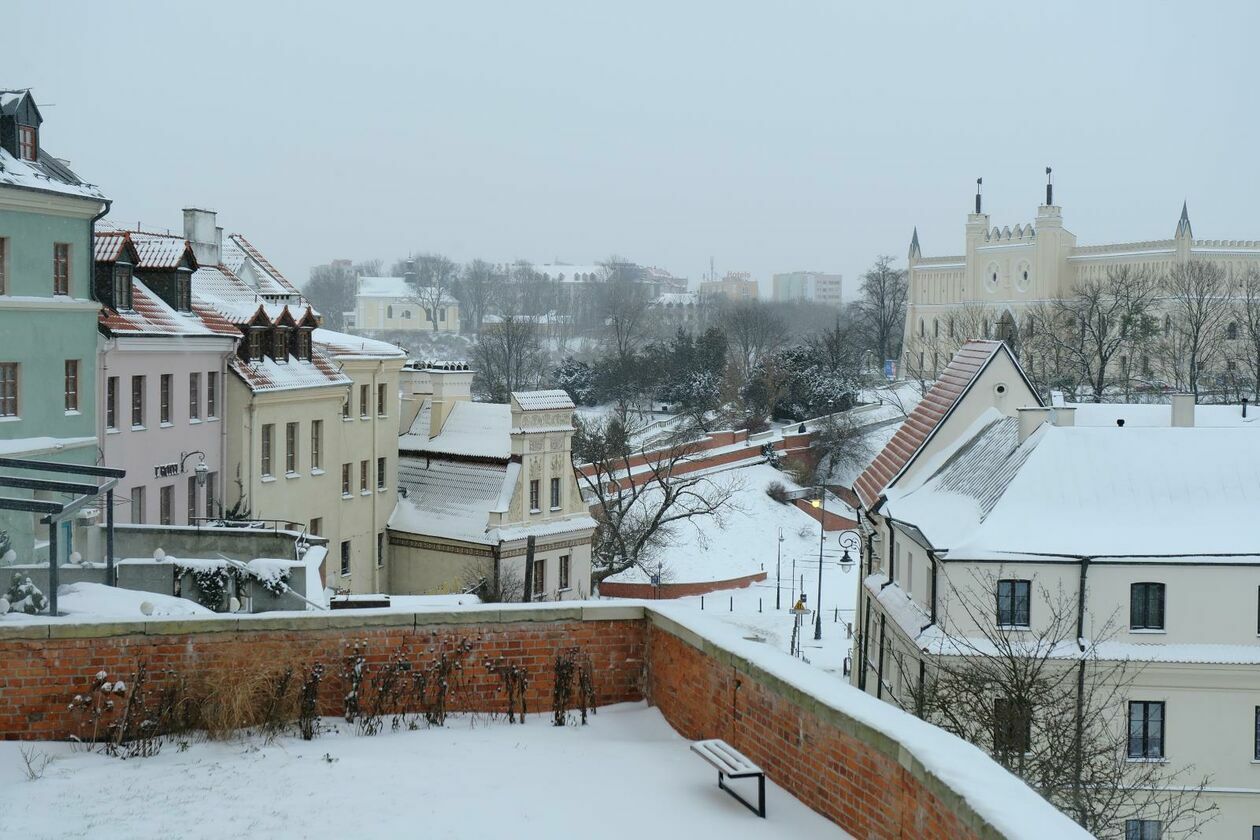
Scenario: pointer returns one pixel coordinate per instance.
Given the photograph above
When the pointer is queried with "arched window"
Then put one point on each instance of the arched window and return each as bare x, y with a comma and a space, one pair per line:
936, 327
389, 312
921, 328
406, 314
1167, 324
985, 331
949, 323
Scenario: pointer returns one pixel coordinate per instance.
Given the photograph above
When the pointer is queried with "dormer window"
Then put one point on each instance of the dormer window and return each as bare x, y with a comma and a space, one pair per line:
28, 144
304, 345
122, 286
183, 290
280, 345
255, 344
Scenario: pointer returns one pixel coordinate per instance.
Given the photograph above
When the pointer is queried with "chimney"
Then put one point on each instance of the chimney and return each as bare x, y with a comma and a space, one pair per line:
1183, 411
204, 235
1030, 420
451, 383
1064, 415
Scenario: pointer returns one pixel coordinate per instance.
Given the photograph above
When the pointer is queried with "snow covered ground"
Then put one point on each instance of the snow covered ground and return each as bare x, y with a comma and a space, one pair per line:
482, 780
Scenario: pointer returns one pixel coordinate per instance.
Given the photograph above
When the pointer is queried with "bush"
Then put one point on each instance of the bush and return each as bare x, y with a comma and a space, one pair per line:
777, 491
24, 596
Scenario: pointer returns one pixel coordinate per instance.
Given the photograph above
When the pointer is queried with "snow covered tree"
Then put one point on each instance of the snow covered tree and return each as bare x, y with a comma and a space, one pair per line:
638, 517
577, 378
509, 356
24, 596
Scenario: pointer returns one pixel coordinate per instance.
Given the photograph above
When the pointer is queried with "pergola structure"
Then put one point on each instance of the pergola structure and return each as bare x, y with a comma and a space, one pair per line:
84, 484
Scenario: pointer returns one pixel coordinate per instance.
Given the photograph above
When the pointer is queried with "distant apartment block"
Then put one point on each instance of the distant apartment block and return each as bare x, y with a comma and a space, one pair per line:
736, 285
809, 286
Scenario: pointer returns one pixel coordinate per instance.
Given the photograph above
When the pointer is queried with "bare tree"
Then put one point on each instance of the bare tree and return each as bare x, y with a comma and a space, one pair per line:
637, 514
753, 332
1051, 708
509, 356
1246, 320
433, 280
478, 290
332, 288
882, 307
1088, 333
1197, 302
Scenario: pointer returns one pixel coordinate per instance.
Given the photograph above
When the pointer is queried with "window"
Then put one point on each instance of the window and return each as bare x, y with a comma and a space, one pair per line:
380, 473
1012, 603
345, 557
8, 389
317, 527
122, 286
212, 394
1256, 754
137, 402
194, 396
936, 328
949, 324
28, 147
363, 476
922, 328
183, 290
255, 344
61, 268
345, 479
1012, 726
555, 494
345, 408
1144, 829
540, 577
72, 385
317, 435
166, 504
111, 402
533, 495
380, 549
4, 253
442, 314
137, 505
1231, 330
389, 311
212, 482
1146, 729
192, 498
290, 448
380, 400
1146, 606
304, 345
564, 572
364, 395
164, 401
280, 345
267, 432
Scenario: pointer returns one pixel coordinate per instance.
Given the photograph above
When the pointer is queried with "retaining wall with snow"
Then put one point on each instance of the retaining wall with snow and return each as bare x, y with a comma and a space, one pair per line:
870, 768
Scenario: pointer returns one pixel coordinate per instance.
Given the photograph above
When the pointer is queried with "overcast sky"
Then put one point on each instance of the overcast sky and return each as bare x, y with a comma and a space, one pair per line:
770, 136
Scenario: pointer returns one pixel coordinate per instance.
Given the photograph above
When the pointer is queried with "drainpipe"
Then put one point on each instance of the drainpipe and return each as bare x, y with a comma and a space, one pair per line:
1079, 734
932, 559
879, 670
377, 566
220, 405
892, 568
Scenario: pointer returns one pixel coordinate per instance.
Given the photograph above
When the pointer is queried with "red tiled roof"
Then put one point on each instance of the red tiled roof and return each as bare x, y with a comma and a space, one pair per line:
108, 245
256, 255
158, 250
954, 381
150, 315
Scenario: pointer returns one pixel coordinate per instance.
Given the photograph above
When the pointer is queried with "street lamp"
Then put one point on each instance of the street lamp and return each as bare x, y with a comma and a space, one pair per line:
821, 504
849, 541
778, 571
200, 470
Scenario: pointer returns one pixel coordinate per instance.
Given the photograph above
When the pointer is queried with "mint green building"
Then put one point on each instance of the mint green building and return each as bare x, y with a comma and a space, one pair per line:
48, 314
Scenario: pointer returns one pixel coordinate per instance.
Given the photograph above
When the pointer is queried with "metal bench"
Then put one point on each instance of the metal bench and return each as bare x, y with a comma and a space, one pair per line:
730, 763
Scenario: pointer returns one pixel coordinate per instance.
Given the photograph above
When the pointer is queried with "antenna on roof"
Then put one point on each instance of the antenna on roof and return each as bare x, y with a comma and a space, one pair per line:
1049, 187
979, 183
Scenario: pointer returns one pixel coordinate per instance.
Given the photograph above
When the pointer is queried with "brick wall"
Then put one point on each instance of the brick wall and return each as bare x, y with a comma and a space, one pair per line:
863, 779
646, 591
824, 763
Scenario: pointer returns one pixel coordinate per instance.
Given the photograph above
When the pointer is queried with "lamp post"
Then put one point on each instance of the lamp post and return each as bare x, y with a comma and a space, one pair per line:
821, 504
199, 469
778, 571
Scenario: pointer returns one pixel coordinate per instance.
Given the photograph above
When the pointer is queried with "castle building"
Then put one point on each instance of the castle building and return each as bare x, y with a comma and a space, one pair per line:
985, 291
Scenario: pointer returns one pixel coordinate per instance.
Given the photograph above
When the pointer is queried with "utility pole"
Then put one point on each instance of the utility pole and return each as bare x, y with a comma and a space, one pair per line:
822, 536
778, 571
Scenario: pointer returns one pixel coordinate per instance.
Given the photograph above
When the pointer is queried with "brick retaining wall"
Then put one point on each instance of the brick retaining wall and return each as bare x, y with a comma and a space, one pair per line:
646, 591
861, 778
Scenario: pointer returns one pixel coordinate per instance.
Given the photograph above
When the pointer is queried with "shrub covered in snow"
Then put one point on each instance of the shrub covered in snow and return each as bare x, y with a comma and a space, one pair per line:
24, 596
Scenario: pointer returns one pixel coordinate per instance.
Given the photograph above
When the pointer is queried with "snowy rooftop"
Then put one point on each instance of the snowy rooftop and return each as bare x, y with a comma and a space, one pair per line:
450, 499
542, 400
150, 315
1091, 491
266, 375
472, 429
1160, 414
343, 344
393, 287
47, 174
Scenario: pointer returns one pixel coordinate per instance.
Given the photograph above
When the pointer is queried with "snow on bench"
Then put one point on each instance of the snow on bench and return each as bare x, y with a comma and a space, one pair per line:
731, 763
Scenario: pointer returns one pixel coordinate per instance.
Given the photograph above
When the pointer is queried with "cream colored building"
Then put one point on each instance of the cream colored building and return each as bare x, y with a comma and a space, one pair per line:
986, 497
311, 417
479, 482
390, 303
1003, 271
